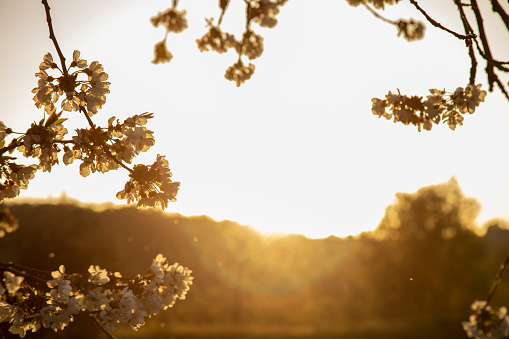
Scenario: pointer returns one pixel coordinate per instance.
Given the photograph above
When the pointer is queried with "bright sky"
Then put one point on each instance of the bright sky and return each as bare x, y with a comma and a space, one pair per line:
295, 149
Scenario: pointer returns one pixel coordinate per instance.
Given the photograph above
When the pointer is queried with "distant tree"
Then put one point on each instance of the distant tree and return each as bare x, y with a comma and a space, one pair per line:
433, 245
439, 211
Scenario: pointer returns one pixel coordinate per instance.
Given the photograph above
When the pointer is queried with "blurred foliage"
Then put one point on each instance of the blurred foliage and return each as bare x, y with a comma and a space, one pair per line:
416, 274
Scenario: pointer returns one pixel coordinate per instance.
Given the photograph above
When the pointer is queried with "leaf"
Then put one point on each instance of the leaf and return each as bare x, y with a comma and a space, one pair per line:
52, 118
60, 121
76, 55
84, 170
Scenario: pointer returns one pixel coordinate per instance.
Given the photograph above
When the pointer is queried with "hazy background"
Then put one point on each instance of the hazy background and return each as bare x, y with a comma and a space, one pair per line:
295, 149
414, 277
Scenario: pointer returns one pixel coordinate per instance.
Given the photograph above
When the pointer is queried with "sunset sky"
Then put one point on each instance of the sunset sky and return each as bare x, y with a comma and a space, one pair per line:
295, 149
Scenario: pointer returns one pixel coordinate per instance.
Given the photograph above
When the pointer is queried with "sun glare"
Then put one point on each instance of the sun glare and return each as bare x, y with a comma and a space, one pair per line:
296, 149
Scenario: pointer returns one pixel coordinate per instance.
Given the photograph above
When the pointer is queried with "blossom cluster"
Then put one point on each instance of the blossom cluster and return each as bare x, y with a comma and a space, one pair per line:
438, 106
486, 322
250, 45
261, 12
174, 21
108, 297
89, 92
161, 53
411, 30
39, 141
215, 39
103, 150
239, 72
98, 149
14, 177
150, 186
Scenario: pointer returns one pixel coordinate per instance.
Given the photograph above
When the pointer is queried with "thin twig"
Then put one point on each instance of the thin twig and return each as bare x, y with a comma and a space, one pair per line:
22, 271
473, 65
502, 87
498, 279
468, 30
223, 11
497, 63
438, 25
378, 16
492, 77
19, 143
497, 8
248, 15
53, 38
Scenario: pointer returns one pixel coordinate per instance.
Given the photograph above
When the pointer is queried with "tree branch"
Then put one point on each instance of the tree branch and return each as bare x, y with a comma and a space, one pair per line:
18, 143
223, 12
468, 30
498, 279
502, 87
497, 8
53, 38
378, 16
496, 63
492, 77
438, 25
22, 271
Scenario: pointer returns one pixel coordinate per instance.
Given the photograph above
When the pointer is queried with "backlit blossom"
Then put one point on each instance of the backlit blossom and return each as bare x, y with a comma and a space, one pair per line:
439, 106
98, 275
58, 277
379, 107
216, 40
152, 186
68, 86
173, 20
466, 100
15, 179
486, 322
96, 88
12, 282
96, 299
161, 53
6, 312
263, 12
411, 30
252, 44
239, 73
434, 105
121, 301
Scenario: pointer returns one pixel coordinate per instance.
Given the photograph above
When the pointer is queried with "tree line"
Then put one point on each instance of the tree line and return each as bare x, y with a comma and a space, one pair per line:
418, 272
